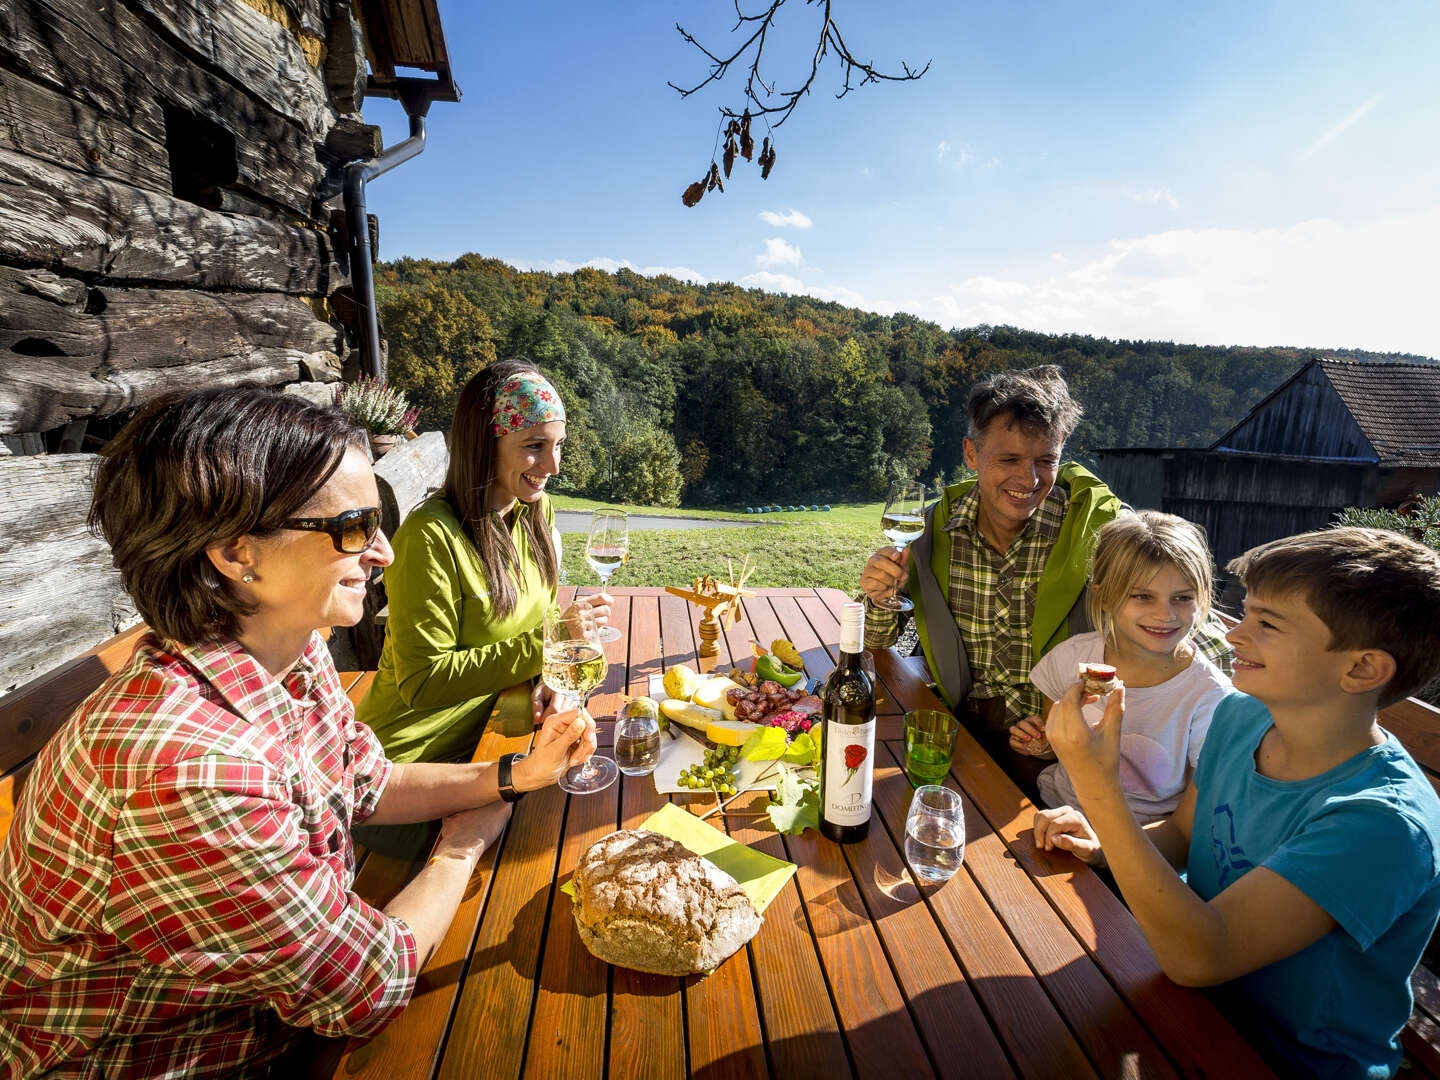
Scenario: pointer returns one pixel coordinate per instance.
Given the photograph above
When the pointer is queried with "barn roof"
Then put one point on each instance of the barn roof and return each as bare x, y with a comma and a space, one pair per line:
1396, 405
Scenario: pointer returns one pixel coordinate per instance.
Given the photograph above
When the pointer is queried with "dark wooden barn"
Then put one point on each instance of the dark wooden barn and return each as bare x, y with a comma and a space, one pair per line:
176, 210
1337, 434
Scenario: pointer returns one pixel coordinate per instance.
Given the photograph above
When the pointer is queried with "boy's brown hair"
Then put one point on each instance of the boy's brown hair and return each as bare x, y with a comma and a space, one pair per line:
1373, 588
1037, 399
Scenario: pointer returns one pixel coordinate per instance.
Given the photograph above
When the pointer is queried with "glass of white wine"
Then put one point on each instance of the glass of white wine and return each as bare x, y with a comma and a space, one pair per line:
606, 549
903, 521
574, 665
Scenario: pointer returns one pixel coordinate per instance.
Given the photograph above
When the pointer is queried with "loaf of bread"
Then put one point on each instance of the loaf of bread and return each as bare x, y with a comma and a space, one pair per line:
644, 901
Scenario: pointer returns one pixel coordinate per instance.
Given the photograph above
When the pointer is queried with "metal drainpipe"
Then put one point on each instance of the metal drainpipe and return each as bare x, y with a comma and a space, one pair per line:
362, 270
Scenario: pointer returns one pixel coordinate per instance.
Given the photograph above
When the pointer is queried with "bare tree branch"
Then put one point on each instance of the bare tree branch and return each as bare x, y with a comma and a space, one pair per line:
828, 40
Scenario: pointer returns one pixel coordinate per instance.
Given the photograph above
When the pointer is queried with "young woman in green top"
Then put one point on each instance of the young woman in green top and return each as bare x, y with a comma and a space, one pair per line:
475, 568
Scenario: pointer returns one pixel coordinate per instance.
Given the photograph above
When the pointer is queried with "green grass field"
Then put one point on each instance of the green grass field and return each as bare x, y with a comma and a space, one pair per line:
811, 554
840, 513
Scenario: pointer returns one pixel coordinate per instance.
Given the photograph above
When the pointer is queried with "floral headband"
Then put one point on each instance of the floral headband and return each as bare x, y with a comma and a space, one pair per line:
524, 400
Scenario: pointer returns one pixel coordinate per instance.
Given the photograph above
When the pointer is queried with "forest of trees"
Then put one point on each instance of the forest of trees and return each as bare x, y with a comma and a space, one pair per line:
713, 394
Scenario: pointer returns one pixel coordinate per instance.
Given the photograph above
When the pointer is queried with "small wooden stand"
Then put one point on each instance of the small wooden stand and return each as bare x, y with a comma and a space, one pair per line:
709, 632
710, 595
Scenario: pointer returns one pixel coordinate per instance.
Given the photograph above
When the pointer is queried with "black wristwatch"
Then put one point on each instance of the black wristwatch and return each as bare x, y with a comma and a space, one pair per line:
508, 790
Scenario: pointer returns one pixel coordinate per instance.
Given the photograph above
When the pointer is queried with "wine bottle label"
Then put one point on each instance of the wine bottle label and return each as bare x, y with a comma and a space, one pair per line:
849, 770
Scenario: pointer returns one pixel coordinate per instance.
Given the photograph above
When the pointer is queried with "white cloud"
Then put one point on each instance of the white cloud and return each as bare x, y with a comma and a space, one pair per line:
609, 265
778, 252
1160, 195
788, 283
764, 279
793, 218
942, 150
1336, 131
1315, 283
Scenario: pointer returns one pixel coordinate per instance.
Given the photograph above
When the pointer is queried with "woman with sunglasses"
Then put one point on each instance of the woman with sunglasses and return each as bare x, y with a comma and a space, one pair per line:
475, 568
175, 890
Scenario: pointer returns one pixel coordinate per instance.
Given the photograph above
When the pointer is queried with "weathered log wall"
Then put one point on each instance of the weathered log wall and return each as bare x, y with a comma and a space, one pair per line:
59, 595
168, 171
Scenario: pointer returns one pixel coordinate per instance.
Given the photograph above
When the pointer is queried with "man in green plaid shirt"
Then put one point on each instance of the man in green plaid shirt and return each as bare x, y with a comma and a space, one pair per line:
1000, 571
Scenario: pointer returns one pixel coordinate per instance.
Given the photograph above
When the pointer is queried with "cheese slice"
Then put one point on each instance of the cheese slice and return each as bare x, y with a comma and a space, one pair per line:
730, 732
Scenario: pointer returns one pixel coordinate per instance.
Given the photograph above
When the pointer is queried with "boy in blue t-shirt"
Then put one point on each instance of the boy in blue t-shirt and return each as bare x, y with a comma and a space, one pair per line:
1310, 838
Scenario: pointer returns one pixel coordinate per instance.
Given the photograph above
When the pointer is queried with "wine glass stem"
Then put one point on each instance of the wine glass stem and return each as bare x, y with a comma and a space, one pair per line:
901, 549
587, 771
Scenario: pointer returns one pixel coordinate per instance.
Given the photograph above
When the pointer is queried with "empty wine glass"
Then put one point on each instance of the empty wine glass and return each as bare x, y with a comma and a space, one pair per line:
574, 665
935, 832
606, 548
902, 521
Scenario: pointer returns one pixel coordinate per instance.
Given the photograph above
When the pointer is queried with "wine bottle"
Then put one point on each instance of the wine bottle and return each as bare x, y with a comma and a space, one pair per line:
849, 737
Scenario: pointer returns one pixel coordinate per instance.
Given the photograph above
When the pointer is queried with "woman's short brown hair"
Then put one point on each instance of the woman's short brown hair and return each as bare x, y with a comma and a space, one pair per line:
1373, 588
192, 471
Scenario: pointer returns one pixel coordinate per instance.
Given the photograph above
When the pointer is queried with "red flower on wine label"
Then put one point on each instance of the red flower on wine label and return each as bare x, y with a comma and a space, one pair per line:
854, 755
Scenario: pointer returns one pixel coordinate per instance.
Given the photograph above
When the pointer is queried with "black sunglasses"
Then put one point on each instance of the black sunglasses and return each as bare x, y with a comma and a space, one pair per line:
352, 532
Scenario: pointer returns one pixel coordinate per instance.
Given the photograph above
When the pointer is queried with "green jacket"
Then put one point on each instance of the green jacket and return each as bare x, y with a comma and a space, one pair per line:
1059, 610
446, 657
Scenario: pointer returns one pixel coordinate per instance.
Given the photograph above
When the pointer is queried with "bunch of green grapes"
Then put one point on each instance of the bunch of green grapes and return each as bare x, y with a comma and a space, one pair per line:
716, 773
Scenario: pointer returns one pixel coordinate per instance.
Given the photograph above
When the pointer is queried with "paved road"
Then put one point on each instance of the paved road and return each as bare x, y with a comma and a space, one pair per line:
578, 521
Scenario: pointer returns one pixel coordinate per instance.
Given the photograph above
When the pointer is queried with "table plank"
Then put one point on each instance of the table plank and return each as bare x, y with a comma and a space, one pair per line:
877, 1025
647, 1012
572, 1001
941, 997
721, 1010
1199, 1040
1035, 945
1112, 1036
492, 1017
567, 1032
802, 1032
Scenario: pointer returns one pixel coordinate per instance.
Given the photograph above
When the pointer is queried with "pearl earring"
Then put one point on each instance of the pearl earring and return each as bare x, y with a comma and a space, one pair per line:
248, 578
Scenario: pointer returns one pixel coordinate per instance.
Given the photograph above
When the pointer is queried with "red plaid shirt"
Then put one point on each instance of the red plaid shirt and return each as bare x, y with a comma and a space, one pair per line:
174, 891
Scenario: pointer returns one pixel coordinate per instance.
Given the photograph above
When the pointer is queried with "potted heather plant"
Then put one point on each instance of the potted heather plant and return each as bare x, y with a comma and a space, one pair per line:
381, 409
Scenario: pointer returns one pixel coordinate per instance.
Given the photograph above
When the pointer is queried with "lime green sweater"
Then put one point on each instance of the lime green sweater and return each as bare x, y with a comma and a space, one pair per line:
446, 655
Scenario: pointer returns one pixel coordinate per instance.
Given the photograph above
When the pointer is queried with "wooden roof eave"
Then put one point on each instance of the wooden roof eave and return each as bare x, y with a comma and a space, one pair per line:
406, 34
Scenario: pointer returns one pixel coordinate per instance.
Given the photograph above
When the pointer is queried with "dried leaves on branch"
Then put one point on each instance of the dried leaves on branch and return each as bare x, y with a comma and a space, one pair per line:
764, 99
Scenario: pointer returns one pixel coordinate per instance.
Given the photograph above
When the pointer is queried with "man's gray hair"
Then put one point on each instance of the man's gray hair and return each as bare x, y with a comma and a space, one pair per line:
1036, 399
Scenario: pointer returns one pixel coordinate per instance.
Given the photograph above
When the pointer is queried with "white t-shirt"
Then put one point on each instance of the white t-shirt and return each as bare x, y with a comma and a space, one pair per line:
1165, 726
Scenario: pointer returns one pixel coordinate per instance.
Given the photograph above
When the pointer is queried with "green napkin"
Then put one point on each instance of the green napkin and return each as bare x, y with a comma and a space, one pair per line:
761, 876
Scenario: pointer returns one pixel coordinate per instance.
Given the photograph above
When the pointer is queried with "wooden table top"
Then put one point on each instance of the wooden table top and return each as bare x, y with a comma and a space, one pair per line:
1022, 964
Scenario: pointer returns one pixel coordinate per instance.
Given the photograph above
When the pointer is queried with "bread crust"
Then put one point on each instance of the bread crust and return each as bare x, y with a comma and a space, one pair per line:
646, 902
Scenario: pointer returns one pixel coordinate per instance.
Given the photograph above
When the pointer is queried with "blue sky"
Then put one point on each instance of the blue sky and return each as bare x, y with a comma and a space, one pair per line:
1258, 173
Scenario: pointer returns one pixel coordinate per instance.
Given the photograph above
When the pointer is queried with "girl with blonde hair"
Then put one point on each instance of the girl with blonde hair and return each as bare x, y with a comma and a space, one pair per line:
1150, 592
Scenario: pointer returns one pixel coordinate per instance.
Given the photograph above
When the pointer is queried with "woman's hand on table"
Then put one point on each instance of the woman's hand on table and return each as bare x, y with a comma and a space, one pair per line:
593, 609
467, 834
1065, 829
885, 574
564, 740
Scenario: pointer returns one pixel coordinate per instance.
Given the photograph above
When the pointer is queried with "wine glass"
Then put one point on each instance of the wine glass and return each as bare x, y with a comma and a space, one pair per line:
607, 546
574, 665
935, 832
902, 521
